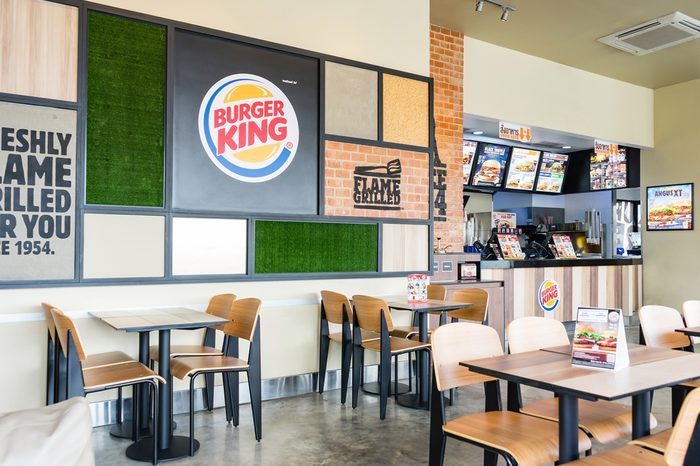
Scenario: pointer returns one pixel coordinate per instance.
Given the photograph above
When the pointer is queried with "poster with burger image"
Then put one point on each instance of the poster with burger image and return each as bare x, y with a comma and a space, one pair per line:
490, 165
670, 207
552, 171
522, 169
599, 339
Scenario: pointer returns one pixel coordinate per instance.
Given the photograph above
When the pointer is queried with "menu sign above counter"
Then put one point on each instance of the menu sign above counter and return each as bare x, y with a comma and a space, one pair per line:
490, 165
608, 166
522, 169
552, 172
468, 152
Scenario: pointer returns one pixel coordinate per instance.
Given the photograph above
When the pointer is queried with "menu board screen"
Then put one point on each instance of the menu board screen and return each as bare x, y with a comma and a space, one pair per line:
490, 165
609, 170
552, 171
522, 169
468, 152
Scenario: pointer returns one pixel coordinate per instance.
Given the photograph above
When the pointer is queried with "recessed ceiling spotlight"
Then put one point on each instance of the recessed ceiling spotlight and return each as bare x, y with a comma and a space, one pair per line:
479, 5
504, 6
566, 147
478, 133
504, 15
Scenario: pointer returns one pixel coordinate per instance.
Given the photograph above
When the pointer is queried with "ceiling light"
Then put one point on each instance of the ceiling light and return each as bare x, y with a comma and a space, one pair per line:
504, 15
478, 133
479, 5
504, 6
566, 147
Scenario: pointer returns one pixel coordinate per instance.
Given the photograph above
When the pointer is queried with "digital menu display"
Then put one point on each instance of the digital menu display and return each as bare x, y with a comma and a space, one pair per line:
609, 170
468, 152
552, 171
522, 169
490, 165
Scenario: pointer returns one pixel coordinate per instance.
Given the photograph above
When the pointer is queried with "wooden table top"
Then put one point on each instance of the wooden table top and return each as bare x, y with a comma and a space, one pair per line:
143, 320
425, 306
690, 331
652, 368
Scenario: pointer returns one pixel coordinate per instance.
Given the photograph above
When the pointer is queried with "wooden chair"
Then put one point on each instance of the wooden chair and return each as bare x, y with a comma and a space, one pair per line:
245, 324
691, 315
682, 449
372, 314
479, 299
411, 331
518, 438
336, 309
220, 306
81, 380
604, 421
658, 325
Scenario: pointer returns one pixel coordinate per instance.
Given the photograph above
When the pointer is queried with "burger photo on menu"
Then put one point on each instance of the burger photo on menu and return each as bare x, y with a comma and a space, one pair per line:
489, 173
670, 207
585, 336
490, 165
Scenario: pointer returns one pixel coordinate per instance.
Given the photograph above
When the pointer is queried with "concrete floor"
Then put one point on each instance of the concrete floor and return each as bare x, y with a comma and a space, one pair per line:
316, 429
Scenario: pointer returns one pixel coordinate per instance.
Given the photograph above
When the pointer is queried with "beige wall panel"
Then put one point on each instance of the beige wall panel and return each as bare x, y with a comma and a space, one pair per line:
209, 246
576, 290
405, 112
122, 246
39, 49
351, 101
404, 247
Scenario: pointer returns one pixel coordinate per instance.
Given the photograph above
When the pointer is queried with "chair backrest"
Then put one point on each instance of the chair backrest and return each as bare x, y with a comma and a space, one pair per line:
659, 324
244, 317
677, 447
461, 341
479, 300
65, 324
50, 324
333, 305
368, 312
437, 292
691, 314
534, 333
220, 306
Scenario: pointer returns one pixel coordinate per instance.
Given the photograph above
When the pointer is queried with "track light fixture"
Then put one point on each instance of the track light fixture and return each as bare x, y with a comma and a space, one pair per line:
506, 9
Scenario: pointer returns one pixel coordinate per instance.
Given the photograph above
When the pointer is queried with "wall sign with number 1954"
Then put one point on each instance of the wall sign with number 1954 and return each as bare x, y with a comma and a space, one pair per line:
26, 248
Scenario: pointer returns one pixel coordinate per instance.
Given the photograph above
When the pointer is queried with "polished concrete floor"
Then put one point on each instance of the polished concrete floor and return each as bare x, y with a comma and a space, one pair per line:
316, 429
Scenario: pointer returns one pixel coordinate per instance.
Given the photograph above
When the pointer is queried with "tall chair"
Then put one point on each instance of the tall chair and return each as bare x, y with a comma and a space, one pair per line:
81, 381
604, 421
372, 314
220, 306
691, 315
519, 438
682, 448
659, 324
477, 312
245, 324
336, 309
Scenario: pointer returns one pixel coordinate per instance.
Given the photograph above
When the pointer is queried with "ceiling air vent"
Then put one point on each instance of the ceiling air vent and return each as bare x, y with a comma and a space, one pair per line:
655, 35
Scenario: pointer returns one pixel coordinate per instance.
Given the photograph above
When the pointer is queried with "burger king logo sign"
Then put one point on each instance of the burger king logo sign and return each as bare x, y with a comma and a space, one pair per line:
248, 128
548, 295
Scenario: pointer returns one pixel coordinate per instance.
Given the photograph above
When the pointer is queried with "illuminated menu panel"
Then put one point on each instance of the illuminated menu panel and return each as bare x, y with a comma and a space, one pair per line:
552, 172
490, 165
609, 170
522, 169
468, 152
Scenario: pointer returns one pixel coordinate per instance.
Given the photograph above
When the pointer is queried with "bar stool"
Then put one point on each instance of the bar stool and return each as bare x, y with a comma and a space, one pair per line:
245, 324
220, 306
81, 380
372, 314
604, 421
520, 439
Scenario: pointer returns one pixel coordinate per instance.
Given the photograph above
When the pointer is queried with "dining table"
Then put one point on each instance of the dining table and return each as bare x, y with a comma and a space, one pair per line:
551, 369
162, 320
421, 399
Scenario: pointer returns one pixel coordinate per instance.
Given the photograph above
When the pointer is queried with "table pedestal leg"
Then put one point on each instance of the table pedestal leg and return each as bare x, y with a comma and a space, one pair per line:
568, 428
641, 407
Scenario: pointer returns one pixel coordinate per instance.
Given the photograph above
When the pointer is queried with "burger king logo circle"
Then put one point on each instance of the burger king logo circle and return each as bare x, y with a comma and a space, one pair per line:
248, 128
548, 295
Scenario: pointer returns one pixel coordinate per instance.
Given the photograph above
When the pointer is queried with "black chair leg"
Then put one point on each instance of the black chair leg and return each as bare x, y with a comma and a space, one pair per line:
191, 414
396, 376
209, 391
120, 401
155, 421
677, 396
357, 370
490, 458
384, 383
227, 397
322, 362
254, 385
346, 357
135, 416
234, 396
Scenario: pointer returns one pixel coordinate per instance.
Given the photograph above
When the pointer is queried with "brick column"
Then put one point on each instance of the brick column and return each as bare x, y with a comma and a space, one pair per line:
447, 71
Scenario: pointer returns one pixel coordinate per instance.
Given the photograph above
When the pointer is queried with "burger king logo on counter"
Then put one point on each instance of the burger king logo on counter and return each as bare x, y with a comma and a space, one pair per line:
248, 128
548, 295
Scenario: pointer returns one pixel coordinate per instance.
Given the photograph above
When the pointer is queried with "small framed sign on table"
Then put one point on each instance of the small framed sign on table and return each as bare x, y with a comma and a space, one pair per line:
599, 339
670, 207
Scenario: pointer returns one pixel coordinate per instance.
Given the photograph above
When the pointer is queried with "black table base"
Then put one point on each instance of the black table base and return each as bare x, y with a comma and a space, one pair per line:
126, 430
143, 449
412, 400
372, 388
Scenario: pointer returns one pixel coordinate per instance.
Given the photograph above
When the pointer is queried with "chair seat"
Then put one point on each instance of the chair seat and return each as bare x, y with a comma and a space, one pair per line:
119, 374
182, 367
656, 442
628, 454
529, 440
106, 359
366, 336
605, 421
398, 345
177, 351
695, 383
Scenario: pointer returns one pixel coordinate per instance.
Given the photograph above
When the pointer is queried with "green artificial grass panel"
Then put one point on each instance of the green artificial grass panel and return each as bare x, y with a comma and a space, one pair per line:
305, 247
126, 111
